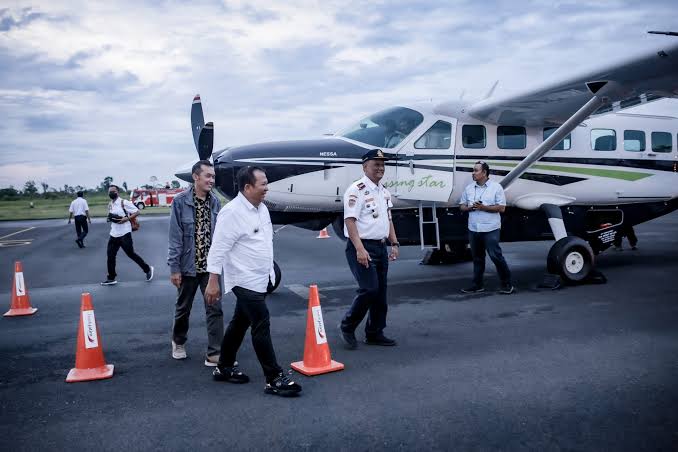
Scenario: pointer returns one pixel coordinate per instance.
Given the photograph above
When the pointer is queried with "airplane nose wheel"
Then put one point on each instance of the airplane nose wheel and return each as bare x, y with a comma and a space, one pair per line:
272, 285
571, 258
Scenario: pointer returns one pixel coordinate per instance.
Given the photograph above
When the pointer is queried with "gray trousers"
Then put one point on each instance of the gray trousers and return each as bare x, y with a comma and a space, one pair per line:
215, 316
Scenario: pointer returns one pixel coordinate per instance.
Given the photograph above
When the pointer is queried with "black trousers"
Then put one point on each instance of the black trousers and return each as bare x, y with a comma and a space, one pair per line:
628, 232
213, 313
81, 228
480, 243
124, 242
371, 294
250, 311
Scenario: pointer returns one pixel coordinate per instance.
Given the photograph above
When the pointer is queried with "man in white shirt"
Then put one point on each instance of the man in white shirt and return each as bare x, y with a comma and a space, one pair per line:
484, 200
120, 212
368, 227
242, 247
80, 210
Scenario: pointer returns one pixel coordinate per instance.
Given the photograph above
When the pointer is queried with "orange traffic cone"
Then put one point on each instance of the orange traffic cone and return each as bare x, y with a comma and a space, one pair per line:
317, 358
89, 356
21, 302
323, 234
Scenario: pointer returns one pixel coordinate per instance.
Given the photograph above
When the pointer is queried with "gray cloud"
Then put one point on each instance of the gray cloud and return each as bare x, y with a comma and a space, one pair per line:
93, 89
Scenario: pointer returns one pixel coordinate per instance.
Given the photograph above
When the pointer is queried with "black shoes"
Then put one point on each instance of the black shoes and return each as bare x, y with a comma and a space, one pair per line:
80, 243
506, 289
473, 289
230, 375
349, 340
282, 386
109, 282
380, 340
149, 274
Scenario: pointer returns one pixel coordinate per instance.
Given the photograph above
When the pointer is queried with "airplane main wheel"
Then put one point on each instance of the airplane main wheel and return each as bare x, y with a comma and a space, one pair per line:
571, 258
272, 285
140, 205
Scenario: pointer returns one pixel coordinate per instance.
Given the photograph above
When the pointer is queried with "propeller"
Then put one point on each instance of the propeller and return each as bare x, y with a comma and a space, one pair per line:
203, 134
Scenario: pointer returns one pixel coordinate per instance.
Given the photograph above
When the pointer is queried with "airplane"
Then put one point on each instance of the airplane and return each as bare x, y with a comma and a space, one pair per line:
575, 166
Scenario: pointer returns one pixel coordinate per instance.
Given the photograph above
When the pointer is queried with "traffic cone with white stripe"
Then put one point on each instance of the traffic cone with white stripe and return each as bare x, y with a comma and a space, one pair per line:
89, 354
323, 234
21, 301
317, 357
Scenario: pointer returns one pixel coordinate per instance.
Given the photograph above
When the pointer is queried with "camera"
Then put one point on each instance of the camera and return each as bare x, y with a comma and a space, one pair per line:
113, 218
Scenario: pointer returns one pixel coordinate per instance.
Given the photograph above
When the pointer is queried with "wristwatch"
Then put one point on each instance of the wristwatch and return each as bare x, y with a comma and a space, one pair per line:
395, 244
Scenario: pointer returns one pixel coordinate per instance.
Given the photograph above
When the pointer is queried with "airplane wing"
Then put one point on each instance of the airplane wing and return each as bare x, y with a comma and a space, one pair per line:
640, 79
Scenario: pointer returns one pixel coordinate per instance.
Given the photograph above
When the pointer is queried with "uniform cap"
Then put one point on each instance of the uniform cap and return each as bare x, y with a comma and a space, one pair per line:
374, 154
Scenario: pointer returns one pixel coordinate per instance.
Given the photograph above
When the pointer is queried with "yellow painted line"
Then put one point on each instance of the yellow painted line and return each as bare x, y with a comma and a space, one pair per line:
17, 232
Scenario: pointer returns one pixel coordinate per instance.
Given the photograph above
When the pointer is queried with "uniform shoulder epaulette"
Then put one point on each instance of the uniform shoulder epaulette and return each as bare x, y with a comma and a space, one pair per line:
361, 185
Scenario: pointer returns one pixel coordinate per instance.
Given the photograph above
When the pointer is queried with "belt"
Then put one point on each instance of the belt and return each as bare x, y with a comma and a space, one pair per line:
373, 240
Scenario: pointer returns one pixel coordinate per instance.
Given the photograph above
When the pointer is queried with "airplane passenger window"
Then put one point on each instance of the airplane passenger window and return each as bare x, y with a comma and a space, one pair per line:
473, 137
634, 140
661, 142
384, 129
511, 137
603, 140
437, 137
564, 145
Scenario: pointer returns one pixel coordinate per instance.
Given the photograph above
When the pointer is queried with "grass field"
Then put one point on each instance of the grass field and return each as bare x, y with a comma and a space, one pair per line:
58, 208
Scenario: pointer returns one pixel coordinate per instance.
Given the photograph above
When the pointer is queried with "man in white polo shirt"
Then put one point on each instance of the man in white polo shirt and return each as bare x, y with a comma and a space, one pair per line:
120, 212
242, 247
80, 210
484, 201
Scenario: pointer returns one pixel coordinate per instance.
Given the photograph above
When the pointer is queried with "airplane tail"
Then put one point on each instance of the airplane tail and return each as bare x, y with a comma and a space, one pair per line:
203, 134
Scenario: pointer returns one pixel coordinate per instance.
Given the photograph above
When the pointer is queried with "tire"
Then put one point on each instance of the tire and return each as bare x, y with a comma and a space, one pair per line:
571, 258
272, 285
140, 205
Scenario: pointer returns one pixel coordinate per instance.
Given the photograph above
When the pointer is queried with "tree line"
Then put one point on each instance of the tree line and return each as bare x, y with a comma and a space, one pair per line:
31, 189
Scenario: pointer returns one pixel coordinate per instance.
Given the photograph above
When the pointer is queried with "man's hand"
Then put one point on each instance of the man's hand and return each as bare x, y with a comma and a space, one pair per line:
175, 279
88, 219
395, 252
213, 291
363, 257
478, 206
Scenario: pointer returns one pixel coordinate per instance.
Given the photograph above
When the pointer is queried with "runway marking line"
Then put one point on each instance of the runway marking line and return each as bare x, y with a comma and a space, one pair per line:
17, 232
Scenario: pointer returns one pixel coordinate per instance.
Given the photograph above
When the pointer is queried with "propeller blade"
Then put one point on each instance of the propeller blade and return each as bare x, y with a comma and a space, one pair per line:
197, 120
206, 141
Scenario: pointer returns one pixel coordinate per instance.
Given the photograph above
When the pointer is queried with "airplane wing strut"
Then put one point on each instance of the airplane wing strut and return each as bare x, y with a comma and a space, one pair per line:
561, 132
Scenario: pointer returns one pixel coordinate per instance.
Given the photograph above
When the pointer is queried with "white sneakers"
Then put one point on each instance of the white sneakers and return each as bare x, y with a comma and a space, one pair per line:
178, 351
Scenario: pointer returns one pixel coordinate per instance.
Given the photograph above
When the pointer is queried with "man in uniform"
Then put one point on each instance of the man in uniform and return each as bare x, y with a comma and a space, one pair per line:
368, 226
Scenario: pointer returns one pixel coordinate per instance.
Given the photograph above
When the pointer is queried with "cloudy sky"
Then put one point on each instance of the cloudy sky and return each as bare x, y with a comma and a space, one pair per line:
91, 89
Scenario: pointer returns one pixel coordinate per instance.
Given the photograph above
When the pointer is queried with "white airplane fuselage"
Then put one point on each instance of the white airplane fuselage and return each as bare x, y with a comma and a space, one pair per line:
307, 179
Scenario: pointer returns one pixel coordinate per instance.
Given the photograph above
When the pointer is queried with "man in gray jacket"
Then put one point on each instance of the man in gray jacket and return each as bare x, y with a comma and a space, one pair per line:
194, 216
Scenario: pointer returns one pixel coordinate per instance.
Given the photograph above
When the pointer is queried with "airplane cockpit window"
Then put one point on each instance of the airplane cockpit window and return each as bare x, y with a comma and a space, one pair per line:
603, 140
634, 140
661, 142
437, 137
564, 145
385, 129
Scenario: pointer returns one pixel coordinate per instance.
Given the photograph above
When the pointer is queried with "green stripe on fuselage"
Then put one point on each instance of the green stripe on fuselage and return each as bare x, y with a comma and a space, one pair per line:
599, 172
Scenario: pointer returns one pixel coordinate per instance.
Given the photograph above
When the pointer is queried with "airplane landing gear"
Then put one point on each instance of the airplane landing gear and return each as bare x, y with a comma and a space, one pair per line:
272, 285
571, 258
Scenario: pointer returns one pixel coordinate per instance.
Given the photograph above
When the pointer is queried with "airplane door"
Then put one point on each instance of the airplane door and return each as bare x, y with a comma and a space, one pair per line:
425, 170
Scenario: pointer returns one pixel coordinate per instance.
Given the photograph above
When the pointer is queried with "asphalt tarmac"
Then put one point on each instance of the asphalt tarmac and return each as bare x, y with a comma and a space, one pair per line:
584, 368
